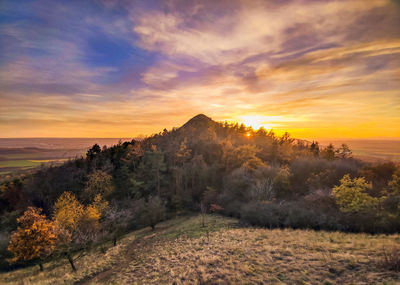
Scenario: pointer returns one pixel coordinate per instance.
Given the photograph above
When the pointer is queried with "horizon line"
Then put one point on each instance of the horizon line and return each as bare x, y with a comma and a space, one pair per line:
141, 136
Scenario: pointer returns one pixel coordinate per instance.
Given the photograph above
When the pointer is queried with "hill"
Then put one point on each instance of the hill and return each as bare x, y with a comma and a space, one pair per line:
200, 122
181, 252
204, 166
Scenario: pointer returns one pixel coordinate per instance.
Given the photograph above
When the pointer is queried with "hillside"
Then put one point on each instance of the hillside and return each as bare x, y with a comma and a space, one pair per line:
179, 251
260, 178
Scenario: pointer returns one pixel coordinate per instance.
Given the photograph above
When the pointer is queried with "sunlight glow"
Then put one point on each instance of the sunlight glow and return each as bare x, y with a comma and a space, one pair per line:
255, 122
342, 83
258, 121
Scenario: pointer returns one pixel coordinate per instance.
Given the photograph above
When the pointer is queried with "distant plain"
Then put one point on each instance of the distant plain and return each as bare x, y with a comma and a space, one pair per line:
18, 155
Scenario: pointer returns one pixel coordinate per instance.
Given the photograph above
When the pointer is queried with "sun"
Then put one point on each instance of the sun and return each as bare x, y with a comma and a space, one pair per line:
255, 121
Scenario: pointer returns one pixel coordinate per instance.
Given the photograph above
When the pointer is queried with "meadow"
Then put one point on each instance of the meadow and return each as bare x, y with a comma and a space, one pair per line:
182, 251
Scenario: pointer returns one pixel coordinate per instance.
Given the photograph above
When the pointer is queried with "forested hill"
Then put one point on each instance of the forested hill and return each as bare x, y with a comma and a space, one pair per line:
264, 179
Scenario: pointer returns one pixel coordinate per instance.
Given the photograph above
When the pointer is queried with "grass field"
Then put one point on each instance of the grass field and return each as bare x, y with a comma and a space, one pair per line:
181, 251
22, 159
20, 163
13, 166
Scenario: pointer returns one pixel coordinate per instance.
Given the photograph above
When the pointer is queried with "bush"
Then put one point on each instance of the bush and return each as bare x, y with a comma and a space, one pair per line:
4, 253
293, 214
299, 217
263, 214
154, 212
232, 209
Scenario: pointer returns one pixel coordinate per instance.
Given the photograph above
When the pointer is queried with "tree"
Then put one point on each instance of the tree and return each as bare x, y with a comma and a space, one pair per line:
154, 211
35, 239
93, 152
77, 226
99, 182
314, 149
184, 153
344, 151
154, 165
244, 155
116, 221
394, 184
352, 196
262, 190
68, 211
328, 152
281, 183
253, 163
392, 203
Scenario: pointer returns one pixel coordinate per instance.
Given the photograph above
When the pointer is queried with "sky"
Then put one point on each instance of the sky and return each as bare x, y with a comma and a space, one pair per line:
317, 69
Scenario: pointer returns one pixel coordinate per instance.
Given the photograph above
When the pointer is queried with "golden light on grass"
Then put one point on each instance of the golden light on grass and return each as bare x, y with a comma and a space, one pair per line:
220, 251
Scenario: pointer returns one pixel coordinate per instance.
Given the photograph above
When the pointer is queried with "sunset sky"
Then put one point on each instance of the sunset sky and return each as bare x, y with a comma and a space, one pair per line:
318, 69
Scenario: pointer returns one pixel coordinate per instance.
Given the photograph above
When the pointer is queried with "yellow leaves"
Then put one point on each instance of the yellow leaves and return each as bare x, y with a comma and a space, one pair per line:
68, 210
35, 238
351, 195
100, 204
92, 213
74, 220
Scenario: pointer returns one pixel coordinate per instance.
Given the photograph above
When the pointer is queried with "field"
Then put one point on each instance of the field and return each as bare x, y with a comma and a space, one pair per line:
23, 154
18, 160
181, 251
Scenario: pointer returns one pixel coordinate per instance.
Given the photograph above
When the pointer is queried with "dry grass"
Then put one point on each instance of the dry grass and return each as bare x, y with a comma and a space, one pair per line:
391, 259
181, 252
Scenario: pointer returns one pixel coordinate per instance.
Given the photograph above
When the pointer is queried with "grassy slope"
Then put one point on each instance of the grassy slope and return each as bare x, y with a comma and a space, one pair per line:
180, 250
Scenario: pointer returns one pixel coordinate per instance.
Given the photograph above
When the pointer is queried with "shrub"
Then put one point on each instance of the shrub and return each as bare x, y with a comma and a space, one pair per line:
154, 211
263, 214
233, 209
352, 196
299, 217
4, 253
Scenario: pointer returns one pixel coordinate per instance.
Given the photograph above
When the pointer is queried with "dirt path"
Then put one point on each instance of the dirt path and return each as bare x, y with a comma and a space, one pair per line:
139, 244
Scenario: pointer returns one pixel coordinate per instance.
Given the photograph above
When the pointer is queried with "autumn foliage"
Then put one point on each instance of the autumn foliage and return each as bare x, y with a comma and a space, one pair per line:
352, 195
35, 238
265, 179
73, 227
77, 225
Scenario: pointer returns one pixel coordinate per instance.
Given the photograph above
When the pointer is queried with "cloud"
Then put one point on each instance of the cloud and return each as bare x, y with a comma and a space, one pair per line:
119, 68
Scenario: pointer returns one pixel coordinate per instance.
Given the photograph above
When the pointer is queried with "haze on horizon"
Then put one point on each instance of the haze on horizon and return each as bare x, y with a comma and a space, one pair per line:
317, 69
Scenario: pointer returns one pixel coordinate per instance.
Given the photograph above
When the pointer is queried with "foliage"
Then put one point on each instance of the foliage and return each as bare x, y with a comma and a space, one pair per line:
34, 239
232, 254
394, 184
256, 175
352, 195
154, 211
68, 211
98, 183
77, 226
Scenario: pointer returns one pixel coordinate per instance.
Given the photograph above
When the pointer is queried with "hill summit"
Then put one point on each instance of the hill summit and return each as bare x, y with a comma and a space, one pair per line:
199, 121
